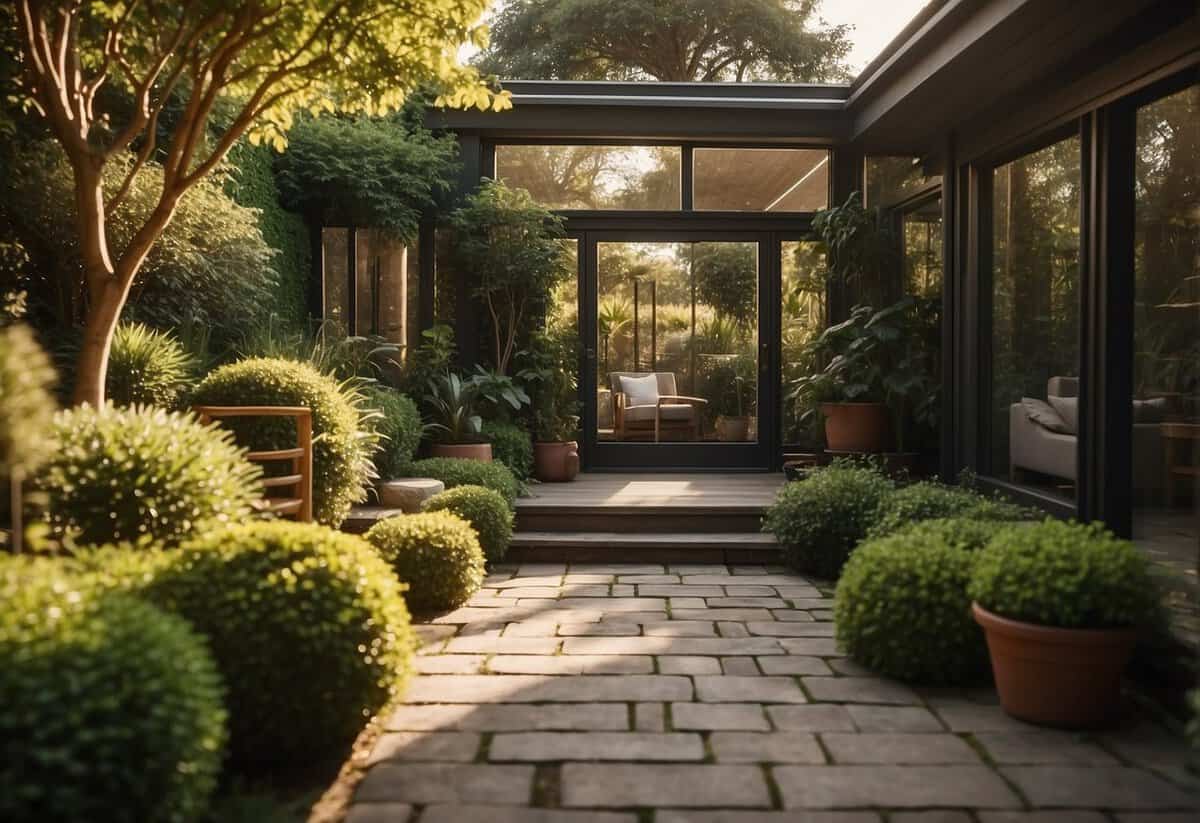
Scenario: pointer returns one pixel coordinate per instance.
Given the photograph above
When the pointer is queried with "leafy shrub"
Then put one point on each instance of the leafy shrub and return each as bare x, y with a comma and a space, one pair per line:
343, 438
456, 471
902, 608
110, 709
485, 510
148, 367
26, 405
436, 554
512, 446
819, 520
1067, 575
142, 475
930, 501
399, 427
308, 627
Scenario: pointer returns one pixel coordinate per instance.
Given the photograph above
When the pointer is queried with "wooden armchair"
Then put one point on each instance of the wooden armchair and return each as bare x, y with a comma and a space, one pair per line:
655, 410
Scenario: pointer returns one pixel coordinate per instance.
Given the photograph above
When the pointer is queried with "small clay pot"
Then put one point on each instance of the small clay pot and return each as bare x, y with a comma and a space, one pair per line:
467, 451
856, 427
733, 429
556, 462
1068, 678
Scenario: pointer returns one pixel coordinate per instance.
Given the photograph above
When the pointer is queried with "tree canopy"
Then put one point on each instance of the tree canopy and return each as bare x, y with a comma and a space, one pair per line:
673, 40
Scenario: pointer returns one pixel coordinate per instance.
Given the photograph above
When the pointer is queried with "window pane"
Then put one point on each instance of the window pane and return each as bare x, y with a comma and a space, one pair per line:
803, 302
335, 276
1035, 318
682, 318
387, 278
761, 179
595, 177
923, 250
1166, 402
888, 180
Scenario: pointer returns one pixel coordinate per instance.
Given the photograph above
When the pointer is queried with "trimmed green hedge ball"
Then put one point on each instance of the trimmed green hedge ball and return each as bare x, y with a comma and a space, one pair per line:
485, 510
436, 553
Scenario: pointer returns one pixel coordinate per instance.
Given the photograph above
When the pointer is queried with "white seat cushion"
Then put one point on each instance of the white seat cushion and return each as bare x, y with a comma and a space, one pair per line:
640, 391
670, 411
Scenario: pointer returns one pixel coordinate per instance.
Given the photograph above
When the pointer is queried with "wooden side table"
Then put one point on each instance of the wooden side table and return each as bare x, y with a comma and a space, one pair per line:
1179, 441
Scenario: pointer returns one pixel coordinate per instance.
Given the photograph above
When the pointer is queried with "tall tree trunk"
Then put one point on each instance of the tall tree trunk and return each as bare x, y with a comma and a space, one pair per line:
92, 366
104, 304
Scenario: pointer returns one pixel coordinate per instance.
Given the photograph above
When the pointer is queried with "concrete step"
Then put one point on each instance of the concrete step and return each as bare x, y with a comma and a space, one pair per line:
675, 519
661, 547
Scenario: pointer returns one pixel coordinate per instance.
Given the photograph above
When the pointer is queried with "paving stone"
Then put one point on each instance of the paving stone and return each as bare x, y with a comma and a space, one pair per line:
899, 748
598, 630
699, 568
614, 604
634, 617
814, 646
792, 615
591, 590
649, 717
572, 664
743, 816
504, 718
618, 590
679, 590
618, 569
803, 593
541, 570
1147, 817
525, 582
729, 628
846, 666
571, 578
749, 591
648, 579
744, 689
536, 628
744, 603
379, 813
528, 688
811, 718
892, 786
501, 814
683, 664
719, 716
932, 816
553, 746
1147, 744
1098, 787
679, 603
801, 601
774, 628
1043, 746
448, 663
770, 747
740, 666
791, 664
894, 719
702, 646
823, 614
447, 783
719, 614
680, 628
460, 747
502, 645
428, 635
540, 592
1063, 816
859, 690
641, 784
742, 580
973, 717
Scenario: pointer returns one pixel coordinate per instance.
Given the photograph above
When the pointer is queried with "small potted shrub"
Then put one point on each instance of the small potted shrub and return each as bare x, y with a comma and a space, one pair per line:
1060, 604
458, 429
733, 384
548, 370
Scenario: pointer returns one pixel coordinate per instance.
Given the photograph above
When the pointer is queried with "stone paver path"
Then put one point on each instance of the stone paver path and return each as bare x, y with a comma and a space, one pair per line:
712, 694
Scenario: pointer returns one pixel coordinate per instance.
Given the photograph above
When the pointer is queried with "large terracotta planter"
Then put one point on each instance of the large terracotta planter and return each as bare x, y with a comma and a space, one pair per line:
1070, 678
856, 427
467, 451
556, 462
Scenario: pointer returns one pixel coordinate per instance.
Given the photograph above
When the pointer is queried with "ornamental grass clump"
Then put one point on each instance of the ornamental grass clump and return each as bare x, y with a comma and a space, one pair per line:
399, 427
142, 475
1066, 575
485, 510
147, 367
436, 553
110, 709
456, 471
929, 501
901, 606
307, 625
344, 439
819, 520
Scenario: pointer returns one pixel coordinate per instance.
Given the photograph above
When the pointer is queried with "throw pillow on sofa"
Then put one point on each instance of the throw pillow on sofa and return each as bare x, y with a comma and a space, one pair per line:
1068, 410
1042, 413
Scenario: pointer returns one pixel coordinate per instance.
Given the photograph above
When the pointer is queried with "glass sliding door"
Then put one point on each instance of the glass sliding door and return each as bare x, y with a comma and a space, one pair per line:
676, 352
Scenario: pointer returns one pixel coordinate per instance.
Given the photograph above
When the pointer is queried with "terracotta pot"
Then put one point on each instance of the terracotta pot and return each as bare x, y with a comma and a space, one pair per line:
467, 451
856, 427
1070, 678
733, 429
556, 462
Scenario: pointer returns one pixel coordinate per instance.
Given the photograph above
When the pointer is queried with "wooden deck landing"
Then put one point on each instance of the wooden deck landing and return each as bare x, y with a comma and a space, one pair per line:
638, 492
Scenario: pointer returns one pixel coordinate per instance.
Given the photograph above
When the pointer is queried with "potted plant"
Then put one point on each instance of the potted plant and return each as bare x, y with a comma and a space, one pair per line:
457, 429
732, 385
548, 370
1060, 604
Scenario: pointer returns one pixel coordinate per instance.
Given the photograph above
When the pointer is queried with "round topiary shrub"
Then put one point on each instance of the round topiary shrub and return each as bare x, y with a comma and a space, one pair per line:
110, 709
436, 553
399, 427
147, 367
819, 520
142, 475
1066, 575
512, 446
455, 471
485, 510
343, 441
901, 606
930, 501
308, 627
